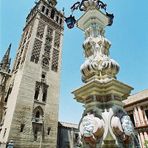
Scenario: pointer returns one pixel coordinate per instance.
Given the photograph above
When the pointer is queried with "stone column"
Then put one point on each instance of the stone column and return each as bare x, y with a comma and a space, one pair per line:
139, 140
145, 117
146, 135
142, 122
136, 117
142, 139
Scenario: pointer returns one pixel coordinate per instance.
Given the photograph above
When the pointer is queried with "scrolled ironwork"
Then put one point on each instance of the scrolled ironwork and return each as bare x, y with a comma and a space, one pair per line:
81, 5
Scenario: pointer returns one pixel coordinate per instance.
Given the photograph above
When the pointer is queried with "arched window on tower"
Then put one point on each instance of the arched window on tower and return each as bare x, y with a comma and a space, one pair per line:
48, 130
44, 94
52, 13
36, 94
45, 63
36, 51
43, 9
61, 21
47, 11
37, 90
43, 77
22, 127
38, 115
55, 60
57, 19
33, 58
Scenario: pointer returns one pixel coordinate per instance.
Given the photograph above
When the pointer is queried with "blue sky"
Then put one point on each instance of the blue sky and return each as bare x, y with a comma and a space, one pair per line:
128, 34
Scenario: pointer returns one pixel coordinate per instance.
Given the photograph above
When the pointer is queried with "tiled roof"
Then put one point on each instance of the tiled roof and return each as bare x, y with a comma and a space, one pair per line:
137, 97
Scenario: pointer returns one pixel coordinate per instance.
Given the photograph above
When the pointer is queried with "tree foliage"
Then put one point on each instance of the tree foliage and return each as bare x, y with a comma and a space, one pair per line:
146, 144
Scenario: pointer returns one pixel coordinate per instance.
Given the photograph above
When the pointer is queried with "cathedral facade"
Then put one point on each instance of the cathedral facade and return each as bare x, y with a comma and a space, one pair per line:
29, 92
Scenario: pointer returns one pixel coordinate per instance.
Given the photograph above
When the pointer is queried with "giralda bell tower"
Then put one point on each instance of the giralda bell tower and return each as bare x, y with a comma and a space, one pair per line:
31, 115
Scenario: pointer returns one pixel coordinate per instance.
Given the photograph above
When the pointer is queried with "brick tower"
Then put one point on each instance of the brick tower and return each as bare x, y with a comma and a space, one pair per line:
31, 115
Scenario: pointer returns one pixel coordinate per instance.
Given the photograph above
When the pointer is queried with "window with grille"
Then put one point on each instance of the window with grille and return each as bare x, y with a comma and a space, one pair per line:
40, 30
50, 31
45, 63
36, 51
48, 43
57, 40
55, 60
41, 88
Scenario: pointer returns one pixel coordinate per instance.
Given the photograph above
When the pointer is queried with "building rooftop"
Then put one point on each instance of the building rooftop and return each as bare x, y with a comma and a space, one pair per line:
137, 97
68, 125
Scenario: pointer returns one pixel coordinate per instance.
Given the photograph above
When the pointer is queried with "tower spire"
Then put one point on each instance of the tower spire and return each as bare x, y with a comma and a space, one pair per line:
6, 60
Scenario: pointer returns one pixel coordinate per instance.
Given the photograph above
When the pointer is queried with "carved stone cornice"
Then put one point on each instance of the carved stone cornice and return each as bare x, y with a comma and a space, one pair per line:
142, 128
97, 88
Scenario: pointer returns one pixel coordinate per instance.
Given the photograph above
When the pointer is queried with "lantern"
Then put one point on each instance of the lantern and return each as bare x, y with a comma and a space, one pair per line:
70, 21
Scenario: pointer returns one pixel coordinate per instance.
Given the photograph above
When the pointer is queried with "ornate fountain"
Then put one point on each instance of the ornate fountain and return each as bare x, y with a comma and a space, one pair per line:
104, 123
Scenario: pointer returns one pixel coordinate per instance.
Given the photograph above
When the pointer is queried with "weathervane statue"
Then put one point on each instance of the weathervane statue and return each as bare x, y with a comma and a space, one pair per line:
104, 123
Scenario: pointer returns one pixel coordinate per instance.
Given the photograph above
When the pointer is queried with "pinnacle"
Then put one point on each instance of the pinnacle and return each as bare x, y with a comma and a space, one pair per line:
5, 63
8, 50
